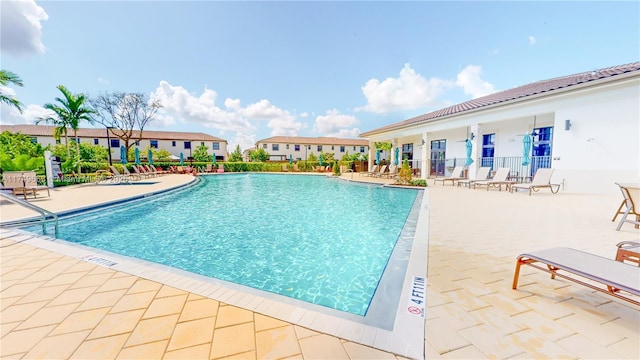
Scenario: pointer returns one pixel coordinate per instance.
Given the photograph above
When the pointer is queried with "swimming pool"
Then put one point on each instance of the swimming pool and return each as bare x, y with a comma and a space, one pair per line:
311, 238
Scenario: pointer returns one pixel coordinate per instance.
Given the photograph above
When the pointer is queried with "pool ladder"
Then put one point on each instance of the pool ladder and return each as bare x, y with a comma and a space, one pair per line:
45, 216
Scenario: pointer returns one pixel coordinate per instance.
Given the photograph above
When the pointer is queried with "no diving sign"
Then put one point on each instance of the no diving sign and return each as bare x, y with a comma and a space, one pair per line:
417, 297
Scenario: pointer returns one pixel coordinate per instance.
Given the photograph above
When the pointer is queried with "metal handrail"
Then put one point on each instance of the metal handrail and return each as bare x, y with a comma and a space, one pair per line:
46, 215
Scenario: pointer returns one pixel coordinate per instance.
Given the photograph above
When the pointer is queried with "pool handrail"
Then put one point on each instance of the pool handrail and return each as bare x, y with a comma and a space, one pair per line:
45, 217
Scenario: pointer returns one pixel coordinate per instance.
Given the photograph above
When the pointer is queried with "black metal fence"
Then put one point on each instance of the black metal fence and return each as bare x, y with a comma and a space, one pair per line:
517, 171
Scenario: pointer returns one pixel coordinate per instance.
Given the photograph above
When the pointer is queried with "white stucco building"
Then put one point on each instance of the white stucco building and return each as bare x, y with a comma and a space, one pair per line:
299, 148
585, 126
172, 141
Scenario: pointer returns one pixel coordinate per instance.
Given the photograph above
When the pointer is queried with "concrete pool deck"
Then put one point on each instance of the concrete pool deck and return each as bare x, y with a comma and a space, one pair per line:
57, 306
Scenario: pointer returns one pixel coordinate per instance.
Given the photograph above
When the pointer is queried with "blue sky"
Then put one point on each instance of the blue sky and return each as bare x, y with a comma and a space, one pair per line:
244, 71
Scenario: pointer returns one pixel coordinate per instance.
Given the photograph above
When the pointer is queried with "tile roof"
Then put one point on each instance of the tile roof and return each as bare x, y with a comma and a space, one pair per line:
313, 140
545, 86
47, 130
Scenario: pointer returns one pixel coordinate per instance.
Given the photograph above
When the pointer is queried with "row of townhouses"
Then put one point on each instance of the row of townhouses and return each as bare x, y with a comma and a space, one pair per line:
174, 142
282, 148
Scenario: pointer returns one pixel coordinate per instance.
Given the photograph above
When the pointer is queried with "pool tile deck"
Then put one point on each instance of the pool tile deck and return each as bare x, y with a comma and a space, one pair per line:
57, 306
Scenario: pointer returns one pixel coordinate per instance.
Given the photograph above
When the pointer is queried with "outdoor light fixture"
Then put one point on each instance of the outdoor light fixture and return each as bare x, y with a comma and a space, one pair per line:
473, 136
422, 141
567, 124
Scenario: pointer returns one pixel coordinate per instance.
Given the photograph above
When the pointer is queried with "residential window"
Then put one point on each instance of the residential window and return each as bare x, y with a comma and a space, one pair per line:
34, 140
187, 145
216, 146
309, 147
173, 143
488, 149
137, 143
115, 143
57, 141
319, 147
361, 149
296, 147
341, 148
354, 148
287, 146
153, 143
201, 143
96, 142
264, 146
275, 147
333, 147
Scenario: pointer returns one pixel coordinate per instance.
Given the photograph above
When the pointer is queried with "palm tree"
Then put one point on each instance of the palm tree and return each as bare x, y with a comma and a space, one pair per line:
7, 77
69, 113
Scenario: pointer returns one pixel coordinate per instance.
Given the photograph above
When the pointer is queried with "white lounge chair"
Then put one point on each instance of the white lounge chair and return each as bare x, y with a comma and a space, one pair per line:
631, 194
541, 179
116, 176
373, 170
566, 263
456, 175
481, 175
382, 171
499, 179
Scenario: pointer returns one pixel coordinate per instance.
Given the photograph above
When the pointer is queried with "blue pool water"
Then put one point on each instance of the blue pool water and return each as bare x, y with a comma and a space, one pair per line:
311, 238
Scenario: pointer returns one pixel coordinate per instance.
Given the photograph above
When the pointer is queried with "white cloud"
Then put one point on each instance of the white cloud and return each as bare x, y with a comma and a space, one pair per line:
103, 81
181, 106
532, 40
281, 122
21, 28
304, 115
335, 124
469, 80
9, 115
407, 92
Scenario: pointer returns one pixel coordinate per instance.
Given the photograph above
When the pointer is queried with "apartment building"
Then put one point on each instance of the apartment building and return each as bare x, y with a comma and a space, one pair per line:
171, 141
280, 148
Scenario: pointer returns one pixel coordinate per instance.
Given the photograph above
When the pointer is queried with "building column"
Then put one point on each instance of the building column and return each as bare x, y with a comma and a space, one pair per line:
372, 154
424, 152
473, 168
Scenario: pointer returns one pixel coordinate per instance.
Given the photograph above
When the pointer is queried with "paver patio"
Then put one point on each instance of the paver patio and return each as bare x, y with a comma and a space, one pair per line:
57, 306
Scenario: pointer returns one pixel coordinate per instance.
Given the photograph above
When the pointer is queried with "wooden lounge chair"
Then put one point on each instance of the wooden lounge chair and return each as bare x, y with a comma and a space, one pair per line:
481, 175
568, 263
499, 179
631, 195
14, 181
541, 180
31, 183
151, 170
456, 175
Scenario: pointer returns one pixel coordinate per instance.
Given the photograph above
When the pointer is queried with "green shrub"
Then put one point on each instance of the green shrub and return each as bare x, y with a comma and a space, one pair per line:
419, 182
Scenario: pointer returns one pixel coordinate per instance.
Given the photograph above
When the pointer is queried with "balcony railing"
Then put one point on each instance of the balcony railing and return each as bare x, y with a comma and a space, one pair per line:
517, 171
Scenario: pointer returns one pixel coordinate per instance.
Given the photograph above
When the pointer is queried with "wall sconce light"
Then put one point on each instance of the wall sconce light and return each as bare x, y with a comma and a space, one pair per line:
422, 141
567, 124
473, 136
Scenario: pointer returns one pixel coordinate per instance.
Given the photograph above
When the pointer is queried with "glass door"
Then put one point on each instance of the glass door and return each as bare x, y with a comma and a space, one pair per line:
438, 153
